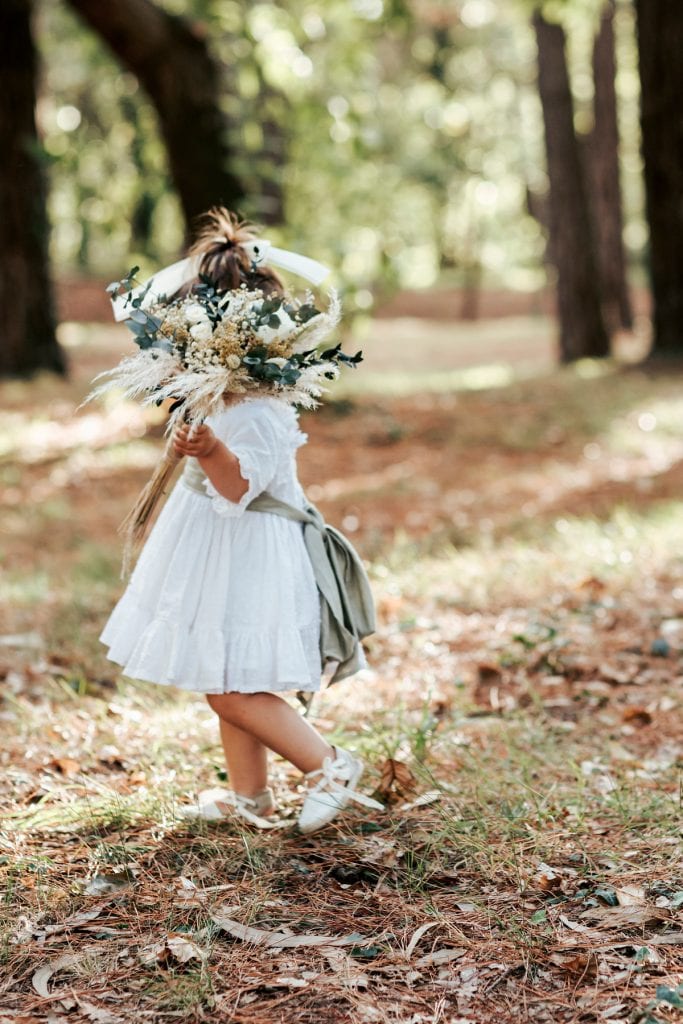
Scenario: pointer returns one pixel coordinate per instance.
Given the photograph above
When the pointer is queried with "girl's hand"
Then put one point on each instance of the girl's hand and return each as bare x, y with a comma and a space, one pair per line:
196, 441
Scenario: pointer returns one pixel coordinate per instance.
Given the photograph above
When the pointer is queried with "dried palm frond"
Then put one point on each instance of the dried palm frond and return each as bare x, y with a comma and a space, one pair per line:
134, 527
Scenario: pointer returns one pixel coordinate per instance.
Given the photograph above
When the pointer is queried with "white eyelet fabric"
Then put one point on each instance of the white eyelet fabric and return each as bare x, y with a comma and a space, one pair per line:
223, 599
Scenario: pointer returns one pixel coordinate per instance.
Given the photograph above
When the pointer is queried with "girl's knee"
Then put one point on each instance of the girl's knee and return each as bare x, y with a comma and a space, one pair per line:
233, 707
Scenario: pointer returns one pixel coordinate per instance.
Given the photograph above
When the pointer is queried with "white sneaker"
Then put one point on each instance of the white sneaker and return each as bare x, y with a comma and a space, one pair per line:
221, 804
336, 787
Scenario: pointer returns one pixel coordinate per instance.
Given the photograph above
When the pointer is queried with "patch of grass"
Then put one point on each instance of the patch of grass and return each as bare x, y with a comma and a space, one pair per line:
22, 589
180, 992
520, 566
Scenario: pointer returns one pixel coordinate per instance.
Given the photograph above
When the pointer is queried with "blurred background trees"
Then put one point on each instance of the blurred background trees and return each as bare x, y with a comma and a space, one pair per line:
170, 58
572, 228
410, 143
27, 322
660, 39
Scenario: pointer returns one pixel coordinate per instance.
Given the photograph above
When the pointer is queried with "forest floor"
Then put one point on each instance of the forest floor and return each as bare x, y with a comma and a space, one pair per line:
521, 719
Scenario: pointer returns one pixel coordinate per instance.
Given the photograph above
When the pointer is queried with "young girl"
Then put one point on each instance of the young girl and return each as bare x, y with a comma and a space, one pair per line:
223, 600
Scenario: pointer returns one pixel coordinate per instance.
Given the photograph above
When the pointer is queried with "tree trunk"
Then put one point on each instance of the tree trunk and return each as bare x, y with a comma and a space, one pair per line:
27, 321
582, 329
603, 174
172, 61
660, 45
270, 192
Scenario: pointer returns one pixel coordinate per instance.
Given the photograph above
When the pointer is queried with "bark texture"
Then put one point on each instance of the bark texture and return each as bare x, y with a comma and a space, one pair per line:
171, 59
582, 329
27, 320
660, 49
605, 185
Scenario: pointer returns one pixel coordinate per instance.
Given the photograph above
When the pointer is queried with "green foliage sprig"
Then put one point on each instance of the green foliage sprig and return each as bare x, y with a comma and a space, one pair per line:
251, 339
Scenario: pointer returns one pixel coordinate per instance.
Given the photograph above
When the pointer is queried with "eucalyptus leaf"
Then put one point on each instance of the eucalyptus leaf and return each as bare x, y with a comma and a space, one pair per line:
163, 344
670, 996
306, 313
607, 895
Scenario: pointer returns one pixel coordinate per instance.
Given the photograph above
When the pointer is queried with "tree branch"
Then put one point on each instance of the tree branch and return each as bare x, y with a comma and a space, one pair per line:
171, 59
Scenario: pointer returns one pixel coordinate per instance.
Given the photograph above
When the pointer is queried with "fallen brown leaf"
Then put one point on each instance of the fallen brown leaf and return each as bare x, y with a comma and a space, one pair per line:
486, 691
42, 976
547, 880
417, 935
70, 923
348, 972
631, 896
98, 1014
439, 957
278, 940
65, 765
627, 917
582, 966
396, 780
637, 716
593, 586
421, 801
177, 948
99, 885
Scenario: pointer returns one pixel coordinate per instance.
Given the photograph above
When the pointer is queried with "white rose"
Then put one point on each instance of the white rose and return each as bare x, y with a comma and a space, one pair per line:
194, 313
283, 330
201, 331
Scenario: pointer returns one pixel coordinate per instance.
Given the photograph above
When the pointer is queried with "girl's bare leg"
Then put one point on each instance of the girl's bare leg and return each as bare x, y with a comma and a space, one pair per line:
268, 718
246, 758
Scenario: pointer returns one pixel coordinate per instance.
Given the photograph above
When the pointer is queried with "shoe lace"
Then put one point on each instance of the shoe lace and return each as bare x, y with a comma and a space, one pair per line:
331, 772
244, 807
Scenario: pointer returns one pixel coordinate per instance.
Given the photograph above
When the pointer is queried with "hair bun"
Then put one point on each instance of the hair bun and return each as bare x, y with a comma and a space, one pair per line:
222, 227
224, 242
220, 242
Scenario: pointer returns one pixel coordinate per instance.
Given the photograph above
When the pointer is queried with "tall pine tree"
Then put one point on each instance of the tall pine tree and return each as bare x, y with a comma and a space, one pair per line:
571, 243
27, 322
660, 49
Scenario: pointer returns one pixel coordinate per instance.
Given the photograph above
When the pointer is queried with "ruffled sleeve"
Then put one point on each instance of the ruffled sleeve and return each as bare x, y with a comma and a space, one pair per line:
255, 433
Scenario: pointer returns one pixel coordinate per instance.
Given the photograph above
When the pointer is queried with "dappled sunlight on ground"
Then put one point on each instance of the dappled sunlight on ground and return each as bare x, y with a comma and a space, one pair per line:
29, 439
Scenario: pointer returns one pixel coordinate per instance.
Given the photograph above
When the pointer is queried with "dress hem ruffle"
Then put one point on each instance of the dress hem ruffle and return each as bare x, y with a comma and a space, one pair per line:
156, 649
284, 687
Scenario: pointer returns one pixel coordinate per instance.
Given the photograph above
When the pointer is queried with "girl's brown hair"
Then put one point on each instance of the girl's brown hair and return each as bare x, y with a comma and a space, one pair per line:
219, 243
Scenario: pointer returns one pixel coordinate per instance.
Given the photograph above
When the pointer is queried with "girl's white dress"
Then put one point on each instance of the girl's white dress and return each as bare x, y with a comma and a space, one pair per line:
222, 598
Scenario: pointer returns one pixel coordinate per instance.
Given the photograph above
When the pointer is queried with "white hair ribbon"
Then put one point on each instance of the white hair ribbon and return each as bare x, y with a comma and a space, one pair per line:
169, 280
262, 251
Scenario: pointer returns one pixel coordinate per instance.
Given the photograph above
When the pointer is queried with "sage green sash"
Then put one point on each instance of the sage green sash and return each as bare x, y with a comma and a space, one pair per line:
347, 612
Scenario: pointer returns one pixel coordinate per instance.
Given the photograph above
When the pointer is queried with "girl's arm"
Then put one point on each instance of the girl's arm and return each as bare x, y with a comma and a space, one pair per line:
217, 461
